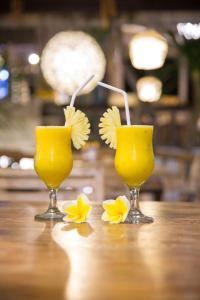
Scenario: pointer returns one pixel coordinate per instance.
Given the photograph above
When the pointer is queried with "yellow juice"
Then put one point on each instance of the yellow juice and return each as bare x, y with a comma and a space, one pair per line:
134, 159
53, 157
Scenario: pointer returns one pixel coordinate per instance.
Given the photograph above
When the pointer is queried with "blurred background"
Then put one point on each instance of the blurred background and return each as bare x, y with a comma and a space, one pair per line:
163, 90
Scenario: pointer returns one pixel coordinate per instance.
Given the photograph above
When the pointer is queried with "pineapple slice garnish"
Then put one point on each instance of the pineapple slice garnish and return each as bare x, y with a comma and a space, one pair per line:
108, 124
80, 126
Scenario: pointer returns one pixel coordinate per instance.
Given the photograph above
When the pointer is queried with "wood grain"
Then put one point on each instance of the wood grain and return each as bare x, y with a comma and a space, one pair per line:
98, 261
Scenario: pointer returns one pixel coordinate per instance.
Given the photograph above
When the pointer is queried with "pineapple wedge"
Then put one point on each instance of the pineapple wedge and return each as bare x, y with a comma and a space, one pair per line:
80, 126
108, 124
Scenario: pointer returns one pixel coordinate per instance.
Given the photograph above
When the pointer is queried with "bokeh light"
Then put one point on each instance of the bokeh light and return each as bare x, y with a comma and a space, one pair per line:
33, 59
4, 75
69, 58
149, 89
148, 50
189, 31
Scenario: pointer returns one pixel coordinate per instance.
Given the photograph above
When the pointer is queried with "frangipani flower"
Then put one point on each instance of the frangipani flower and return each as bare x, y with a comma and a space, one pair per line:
78, 211
116, 211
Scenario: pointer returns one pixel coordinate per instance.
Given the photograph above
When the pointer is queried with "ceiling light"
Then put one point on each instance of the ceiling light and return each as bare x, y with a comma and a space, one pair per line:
33, 59
189, 31
69, 58
149, 89
148, 50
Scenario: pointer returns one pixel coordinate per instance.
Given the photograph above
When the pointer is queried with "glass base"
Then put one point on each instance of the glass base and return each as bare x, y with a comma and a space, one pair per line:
136, 217
51, 214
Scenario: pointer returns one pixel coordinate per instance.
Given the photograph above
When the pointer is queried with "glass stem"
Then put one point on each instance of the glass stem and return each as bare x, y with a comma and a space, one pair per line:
53, 199
134, 198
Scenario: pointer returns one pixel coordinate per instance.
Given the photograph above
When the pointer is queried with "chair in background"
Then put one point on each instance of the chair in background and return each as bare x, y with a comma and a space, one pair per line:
114, 186
191, 187
25, 185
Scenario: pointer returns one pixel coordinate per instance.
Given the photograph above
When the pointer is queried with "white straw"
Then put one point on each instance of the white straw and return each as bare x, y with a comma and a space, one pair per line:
110, 87
79, 89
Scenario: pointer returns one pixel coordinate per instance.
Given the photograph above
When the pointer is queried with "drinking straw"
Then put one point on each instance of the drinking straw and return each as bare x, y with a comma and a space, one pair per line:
76, 92
124, 94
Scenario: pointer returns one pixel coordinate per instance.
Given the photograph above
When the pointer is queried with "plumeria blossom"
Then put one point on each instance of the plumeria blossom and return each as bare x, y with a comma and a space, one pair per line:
116, 210
78, 211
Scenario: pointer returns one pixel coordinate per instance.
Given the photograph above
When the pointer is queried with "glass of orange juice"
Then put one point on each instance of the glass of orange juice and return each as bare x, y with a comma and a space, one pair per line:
134, 162
53, 163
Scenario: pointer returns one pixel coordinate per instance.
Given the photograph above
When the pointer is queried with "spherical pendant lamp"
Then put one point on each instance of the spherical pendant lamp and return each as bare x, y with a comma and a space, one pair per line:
69, 58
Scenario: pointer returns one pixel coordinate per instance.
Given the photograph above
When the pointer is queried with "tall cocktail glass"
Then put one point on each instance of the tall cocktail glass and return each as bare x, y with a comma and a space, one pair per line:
53, 163
134, 162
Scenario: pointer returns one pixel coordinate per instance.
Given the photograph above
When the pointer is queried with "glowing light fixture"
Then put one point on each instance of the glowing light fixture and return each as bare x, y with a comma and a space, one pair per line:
88, 189
69, 58
189, 31
4, 83
26, 163
4, 75
148, 50
149, 89
4, 161
33, 59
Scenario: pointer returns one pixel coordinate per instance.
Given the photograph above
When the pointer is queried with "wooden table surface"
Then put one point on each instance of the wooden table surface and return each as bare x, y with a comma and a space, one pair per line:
98, 261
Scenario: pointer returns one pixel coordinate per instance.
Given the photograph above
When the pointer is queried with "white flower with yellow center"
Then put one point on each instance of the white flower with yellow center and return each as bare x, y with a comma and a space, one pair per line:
116, 211
78, 211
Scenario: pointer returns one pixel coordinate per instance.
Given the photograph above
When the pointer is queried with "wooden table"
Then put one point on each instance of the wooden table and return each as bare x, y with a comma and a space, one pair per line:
98, 261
